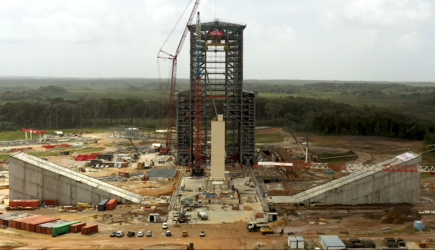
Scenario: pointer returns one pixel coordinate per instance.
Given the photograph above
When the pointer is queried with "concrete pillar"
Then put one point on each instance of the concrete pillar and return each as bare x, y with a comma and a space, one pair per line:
218, 148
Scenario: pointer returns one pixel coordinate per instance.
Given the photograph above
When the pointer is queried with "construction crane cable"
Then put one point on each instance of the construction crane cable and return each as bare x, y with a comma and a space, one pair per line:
172, 31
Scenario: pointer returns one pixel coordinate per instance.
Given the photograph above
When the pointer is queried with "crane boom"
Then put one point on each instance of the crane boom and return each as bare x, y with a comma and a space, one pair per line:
294, 137
174, 76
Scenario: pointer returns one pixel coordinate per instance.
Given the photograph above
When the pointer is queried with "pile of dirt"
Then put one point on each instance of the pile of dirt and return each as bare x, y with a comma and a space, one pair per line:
395, 215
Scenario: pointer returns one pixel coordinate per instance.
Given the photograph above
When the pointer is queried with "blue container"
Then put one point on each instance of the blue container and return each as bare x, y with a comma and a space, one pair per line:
329, 171
419, 225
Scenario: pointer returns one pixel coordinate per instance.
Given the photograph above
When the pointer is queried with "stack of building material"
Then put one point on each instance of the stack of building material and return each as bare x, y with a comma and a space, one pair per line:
75, 228
90, 229
111, 204
62, 228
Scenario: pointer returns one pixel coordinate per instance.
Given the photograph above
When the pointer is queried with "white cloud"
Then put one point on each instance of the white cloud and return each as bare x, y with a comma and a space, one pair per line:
382, 13
411, 41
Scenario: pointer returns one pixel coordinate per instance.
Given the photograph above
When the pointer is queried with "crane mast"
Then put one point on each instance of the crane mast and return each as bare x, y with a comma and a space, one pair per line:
174, 77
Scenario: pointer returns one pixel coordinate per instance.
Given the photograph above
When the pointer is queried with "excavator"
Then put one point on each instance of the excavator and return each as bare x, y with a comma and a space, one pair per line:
268, 229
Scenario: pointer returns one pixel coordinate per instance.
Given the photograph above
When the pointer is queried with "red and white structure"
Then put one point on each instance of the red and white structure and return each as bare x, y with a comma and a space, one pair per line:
31, 131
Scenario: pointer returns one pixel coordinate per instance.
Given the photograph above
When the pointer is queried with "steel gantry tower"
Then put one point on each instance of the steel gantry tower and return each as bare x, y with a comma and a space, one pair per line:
216, 87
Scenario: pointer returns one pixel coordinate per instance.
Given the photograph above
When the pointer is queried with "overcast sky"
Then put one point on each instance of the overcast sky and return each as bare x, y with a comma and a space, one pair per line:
386, 40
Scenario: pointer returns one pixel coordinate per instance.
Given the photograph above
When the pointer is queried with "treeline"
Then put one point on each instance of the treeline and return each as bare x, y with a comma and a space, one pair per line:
347, 89
303, 114
327, 117
60, 113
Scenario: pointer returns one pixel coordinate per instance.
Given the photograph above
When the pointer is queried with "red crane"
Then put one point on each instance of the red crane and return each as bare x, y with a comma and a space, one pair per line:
174, 77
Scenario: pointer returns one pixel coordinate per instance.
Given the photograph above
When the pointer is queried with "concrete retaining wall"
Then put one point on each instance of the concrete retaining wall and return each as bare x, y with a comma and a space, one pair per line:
381, 187
28, 181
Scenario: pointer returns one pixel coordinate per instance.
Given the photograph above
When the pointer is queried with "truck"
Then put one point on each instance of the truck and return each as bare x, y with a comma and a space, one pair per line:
202, 215
258, 224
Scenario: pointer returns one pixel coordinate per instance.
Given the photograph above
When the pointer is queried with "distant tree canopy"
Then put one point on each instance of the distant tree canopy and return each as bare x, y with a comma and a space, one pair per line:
383, 109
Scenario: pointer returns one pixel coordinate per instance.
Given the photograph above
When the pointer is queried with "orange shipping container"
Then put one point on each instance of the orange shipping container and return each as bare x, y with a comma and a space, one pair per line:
17, 223
111, 204
24, 203
33, 225
90, 229
76, 227
22, 225
26, 225
50, 202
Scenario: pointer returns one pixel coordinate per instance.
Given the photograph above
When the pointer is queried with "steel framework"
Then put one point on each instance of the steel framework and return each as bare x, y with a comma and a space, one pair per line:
349, 167
217, 89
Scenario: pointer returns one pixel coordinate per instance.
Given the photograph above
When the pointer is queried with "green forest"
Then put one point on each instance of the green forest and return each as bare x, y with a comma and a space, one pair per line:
402, 110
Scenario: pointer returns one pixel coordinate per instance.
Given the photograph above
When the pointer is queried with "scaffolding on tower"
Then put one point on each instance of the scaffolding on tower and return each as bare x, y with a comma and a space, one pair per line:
198, 96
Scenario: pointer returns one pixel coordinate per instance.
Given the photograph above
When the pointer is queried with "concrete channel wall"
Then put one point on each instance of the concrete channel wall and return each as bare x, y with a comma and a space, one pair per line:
364, 187
380, 187
30, 181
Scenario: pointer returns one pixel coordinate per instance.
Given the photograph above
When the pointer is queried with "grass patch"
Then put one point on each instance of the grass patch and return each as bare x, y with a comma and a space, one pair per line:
20, 135
72, 150
2, 157
426, 175
267, 138
428, 159
338, 159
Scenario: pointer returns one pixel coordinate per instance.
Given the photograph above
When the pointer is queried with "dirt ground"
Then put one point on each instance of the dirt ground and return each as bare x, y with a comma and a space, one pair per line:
308, 222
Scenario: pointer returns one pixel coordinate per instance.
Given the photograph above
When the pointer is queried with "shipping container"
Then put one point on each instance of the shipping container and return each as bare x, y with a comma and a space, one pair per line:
25, 225
331, 242
101, 205
76, 227
4, 218
35, 223
14, 217
62, 229
105, 156
124, 174
24, 203
17, 222
90, 229
111, 204
50, 202
419, 225
46, 227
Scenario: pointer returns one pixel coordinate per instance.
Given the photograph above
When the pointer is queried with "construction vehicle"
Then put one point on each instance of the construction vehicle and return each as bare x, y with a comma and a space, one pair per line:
174, 58
268, 228
185, 234
137, 154
428, 243
257, 224
182, 216
141, 165
189, 246
187, 201
249, 183
202, 215
145, 177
